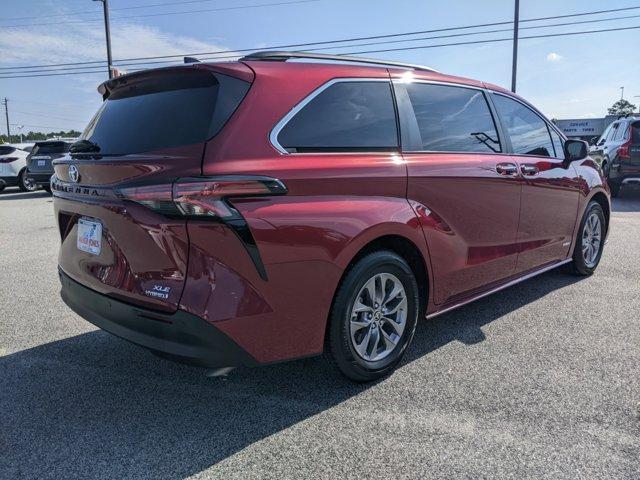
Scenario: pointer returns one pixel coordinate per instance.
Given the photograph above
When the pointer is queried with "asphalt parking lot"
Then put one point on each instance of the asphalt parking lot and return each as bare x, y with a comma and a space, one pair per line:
539, 381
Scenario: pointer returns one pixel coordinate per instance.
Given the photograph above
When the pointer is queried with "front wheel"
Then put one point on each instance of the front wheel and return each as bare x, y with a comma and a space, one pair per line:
590, 241
25, 183
374, 316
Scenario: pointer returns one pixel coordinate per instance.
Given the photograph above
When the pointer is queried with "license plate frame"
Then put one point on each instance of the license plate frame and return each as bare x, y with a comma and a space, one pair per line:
89, 236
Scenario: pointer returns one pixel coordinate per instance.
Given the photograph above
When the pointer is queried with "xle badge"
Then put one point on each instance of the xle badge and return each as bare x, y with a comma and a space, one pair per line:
158, 291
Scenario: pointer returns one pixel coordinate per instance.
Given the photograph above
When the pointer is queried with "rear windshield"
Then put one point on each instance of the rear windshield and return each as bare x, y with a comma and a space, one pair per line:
635, 133
50, 147
170, 109
6, 150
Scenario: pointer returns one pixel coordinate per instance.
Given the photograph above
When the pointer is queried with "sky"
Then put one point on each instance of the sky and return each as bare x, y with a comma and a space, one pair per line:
565, 77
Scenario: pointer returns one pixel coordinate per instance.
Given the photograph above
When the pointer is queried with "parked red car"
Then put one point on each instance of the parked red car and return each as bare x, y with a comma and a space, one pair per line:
262, 210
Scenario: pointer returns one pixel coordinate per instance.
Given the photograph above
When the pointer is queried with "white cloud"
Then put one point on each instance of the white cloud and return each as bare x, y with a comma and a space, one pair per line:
554, 57
86, 42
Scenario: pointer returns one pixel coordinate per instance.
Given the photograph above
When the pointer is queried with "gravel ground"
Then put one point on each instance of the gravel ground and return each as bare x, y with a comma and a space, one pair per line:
539, 381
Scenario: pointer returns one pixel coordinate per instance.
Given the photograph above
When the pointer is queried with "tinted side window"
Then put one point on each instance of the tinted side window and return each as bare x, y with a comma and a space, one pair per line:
453, 119
622, 129
50, 147
603, 137
612, 132
528, 132
635, 133
346, 116
558, 143
6, 150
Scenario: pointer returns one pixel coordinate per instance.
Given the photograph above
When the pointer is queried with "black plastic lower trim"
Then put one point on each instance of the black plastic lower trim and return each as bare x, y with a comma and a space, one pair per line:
180, 336
9, 181
40, 178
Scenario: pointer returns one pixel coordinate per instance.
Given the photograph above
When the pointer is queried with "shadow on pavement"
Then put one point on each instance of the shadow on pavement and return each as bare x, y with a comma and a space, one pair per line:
18, 195
628, 200
95, 406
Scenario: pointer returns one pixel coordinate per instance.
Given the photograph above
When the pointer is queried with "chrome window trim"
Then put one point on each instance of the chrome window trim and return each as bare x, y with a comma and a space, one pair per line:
437, 82
275, 131
540, 115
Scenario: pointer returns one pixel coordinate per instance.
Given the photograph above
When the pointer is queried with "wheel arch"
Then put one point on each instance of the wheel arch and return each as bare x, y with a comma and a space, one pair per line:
405, 248
604, 203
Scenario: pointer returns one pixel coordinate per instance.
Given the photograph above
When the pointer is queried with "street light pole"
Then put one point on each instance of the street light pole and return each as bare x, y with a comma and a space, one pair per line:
107, 31
621, 93
6, 113
514, 65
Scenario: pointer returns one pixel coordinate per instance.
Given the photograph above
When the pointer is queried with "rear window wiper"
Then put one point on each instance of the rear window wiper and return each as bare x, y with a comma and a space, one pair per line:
82, 146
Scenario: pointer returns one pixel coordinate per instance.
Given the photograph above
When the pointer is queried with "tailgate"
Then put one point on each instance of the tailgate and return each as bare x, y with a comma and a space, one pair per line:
150, 130
120, 248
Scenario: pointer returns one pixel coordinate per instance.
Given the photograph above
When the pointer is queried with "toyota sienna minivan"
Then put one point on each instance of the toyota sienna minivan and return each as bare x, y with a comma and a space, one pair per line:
267, 209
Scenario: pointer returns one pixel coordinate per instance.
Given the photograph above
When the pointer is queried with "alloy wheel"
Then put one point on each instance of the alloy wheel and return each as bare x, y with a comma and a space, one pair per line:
378, 317
591, 239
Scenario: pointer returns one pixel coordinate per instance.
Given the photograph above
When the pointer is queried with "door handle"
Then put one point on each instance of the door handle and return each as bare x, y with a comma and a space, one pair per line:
529, 170
507, 168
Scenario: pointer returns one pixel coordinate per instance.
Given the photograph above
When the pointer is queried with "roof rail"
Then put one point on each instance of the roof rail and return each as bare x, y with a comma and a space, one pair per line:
283, 56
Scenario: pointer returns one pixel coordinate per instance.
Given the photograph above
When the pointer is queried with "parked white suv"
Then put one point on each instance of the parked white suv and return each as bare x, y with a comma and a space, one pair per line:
13, 168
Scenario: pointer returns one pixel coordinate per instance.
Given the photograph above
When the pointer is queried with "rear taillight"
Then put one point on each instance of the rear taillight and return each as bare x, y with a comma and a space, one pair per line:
8, 159
202, 197
207, 198
623, 150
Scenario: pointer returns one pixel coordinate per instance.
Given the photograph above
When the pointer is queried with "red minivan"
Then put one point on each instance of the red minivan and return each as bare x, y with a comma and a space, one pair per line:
262, 210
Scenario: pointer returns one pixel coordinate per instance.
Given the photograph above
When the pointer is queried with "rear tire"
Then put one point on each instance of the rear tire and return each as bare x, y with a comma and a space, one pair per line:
615, 189
589, 241
24, 184
373, 317
47, 188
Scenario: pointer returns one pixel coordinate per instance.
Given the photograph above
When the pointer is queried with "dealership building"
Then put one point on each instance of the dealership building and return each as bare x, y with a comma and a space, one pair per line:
585, 128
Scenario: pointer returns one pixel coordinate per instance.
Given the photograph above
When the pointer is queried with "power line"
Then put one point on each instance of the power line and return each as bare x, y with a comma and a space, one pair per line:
493, 40
180, 12
93, 12
142, 64
473, 42
96, 63
46, 116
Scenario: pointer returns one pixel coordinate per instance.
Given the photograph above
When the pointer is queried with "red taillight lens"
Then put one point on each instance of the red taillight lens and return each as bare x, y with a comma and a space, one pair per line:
8, 159
201, 197
623, 151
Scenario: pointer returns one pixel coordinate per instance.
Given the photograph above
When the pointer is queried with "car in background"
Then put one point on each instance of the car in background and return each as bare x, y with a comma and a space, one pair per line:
250, 212
39, 166
13, 168
617, 151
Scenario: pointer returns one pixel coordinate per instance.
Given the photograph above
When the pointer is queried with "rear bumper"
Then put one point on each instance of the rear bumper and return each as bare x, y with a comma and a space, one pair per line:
40, 178
9, 181
181, 336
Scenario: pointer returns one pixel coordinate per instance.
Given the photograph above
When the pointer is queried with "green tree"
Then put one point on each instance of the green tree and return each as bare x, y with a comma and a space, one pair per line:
36, 136
622, 107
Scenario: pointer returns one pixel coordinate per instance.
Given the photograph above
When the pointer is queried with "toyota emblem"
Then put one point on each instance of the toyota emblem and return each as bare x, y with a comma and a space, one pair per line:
73, 174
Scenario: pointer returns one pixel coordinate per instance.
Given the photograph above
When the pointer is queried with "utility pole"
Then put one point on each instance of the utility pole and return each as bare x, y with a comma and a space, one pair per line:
514, 65
107, 31
6, 113
621, 93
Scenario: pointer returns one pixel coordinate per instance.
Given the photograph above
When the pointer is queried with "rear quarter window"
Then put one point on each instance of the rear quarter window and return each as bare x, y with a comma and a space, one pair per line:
345, 116
169, 109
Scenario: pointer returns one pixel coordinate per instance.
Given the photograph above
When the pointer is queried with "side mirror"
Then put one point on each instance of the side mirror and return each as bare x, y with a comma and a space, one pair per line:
575, 150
